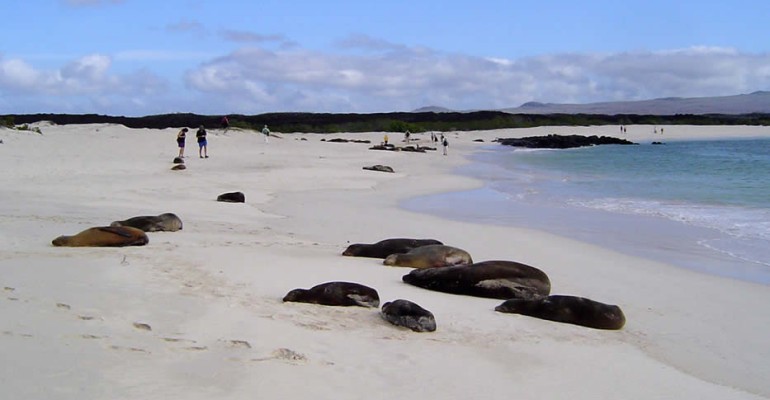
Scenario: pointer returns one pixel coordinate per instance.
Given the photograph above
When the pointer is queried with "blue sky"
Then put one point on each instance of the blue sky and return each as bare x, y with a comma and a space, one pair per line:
142, 57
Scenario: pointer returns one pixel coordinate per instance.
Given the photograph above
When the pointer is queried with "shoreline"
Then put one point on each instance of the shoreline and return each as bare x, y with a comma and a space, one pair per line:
211, 292
491, 204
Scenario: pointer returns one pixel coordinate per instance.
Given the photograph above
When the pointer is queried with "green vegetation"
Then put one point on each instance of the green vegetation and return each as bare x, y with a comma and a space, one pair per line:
392, 122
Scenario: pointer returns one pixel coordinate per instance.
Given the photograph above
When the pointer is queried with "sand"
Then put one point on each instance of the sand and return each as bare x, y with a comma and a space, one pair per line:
197, 314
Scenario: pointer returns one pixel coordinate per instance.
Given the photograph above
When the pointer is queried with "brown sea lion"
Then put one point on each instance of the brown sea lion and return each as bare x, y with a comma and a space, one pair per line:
178, 167
104, 236
386, 247
568, 309
410, 315
492, 279
336, 294
430, 256
167, 222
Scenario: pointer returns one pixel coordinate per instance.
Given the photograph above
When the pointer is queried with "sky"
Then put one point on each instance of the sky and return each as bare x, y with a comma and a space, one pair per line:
148, 57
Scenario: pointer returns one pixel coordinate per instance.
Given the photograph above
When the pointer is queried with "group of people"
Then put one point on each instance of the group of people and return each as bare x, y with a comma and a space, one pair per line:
203, 150
433, 138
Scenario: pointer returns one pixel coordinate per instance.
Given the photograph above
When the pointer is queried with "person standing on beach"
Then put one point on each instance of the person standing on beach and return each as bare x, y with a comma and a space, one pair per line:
445, 144
225, 123
180, 139
266, 133
203, 150
385, 139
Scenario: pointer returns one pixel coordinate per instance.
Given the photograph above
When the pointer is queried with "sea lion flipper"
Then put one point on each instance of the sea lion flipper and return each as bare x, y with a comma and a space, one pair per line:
364, 301
114, 230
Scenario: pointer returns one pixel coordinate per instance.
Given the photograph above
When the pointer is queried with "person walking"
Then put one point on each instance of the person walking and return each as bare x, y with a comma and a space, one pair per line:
180, 139
445, 144
225, 123
203, 148
266, 133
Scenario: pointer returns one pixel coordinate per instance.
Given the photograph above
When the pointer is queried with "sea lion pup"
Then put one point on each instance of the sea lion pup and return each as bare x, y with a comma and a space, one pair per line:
336, 294
430, 256
167, 222
386, 247
493, 279
568, 309
104, 236
410, 315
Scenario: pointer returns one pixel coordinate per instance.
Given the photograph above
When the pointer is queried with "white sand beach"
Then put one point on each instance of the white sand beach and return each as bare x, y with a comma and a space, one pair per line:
197, 314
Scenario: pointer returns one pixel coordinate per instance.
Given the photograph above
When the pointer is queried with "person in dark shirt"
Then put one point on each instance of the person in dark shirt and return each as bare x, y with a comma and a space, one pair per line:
203, 151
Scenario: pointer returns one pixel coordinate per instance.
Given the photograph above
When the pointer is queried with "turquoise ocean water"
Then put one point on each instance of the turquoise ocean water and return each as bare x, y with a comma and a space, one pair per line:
703, 205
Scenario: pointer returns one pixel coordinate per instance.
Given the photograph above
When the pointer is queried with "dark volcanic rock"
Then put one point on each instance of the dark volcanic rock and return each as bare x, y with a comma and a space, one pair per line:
232, 197
560, 141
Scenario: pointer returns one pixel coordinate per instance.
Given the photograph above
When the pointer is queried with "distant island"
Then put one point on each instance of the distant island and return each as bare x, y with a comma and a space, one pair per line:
387, 122
748, 109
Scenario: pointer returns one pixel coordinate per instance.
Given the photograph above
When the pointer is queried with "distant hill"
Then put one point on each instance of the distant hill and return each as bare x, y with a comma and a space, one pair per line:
757, 102
435, 109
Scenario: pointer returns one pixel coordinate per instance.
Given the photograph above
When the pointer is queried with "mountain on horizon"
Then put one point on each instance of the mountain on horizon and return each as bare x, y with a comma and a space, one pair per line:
756, 102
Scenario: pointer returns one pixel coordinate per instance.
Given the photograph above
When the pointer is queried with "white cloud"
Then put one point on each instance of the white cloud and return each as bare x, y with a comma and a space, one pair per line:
385, 77
82, 85
400, 78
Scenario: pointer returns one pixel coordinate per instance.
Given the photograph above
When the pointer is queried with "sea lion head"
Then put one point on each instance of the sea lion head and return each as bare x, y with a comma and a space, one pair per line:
392, 259
296, 295
60, 241
354, 249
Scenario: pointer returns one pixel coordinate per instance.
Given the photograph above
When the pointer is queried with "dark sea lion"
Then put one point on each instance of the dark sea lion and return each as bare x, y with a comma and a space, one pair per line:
178, 167
178, 160
336, 294
232, 197
430, 256
410, 315
167, 222
492, 279
568, 309
104, 236
386, 247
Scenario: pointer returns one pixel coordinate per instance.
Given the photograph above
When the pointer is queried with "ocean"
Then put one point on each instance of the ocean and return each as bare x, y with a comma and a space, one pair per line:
702, 205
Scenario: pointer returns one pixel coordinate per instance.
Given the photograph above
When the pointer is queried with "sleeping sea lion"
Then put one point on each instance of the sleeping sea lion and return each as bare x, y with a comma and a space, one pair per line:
410, 315
568, 309
167, 222
430, 256
336, 294
104, 236
493, 279
386, 247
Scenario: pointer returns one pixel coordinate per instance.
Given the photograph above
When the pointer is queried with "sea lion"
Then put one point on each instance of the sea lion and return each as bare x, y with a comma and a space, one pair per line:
410, 315
336, 294
104, 236
430, 256
178, 160
232, 197
178, 167
568, 309
167, 222
386, 247
493, 279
